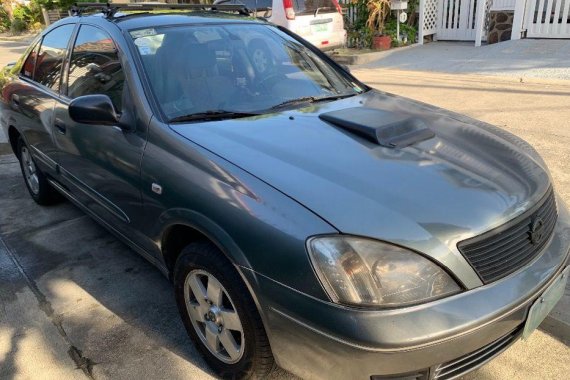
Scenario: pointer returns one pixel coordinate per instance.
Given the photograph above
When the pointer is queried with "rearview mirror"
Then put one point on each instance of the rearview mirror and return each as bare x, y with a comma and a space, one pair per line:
93, 109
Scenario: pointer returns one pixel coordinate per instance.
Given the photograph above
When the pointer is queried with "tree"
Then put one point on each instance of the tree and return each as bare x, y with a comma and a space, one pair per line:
62, 4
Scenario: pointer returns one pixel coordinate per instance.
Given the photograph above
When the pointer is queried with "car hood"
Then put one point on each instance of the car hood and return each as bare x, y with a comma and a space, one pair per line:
468, 179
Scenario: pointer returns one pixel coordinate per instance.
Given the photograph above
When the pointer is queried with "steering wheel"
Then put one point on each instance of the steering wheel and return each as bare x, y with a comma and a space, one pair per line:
268, 80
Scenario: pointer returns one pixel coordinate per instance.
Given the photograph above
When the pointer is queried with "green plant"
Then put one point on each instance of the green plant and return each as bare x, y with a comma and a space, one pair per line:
4, 20
405, 30
413, 6
359, 36
63, 4
378, 11
18, 26
26, 17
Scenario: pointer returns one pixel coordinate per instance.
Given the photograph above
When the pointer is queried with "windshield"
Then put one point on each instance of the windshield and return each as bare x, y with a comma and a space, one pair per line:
239, 68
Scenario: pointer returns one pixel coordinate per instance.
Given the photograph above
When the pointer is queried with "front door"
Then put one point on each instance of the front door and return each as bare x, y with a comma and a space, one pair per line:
99, 164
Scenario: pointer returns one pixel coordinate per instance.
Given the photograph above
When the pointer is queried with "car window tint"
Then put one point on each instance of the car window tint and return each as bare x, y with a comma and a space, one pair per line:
30, 62
51, 55
95, 66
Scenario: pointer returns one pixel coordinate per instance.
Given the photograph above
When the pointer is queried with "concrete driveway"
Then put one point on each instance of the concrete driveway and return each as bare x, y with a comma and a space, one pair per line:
527, 58
76, 303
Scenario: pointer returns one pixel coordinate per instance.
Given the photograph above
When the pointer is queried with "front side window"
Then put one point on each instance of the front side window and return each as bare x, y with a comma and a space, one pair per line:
241, 68
94, 67
51, 55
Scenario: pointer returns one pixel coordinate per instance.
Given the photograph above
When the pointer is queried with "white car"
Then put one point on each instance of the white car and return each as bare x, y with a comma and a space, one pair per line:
318, 21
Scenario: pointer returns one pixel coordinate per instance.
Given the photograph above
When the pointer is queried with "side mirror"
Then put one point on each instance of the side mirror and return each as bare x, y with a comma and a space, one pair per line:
93, 109
346, 68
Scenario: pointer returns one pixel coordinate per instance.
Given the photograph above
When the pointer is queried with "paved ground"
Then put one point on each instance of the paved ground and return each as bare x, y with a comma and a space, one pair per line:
522, 59
11, 51
76, 303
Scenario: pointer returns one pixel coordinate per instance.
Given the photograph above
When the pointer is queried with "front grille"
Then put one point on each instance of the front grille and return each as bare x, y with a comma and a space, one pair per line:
474, 360
507, 248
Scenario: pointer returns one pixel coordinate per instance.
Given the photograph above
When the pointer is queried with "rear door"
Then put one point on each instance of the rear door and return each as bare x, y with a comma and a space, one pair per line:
99, 164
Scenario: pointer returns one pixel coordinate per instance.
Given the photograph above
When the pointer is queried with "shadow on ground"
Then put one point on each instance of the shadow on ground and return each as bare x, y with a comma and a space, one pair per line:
112, 304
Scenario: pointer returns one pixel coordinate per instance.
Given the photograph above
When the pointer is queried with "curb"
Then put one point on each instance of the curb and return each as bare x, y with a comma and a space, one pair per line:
24, 39
364, 58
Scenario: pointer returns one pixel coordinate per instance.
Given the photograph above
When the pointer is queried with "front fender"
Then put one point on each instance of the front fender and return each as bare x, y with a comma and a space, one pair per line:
256, 226
207, 227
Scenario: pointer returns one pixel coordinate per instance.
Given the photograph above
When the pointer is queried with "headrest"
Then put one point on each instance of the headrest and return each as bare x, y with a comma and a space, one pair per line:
199, 57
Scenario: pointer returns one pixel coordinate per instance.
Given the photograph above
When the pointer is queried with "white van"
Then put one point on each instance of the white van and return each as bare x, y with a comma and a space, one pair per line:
318, 21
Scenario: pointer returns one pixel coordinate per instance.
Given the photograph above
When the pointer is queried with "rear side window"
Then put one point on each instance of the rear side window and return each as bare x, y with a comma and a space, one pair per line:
30, 62
51, 56
95, 66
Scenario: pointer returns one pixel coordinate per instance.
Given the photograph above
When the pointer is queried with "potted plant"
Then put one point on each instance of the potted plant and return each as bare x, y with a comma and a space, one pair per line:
378, 11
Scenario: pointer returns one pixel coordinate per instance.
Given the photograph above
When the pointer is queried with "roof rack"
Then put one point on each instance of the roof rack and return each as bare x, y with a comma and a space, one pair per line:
109, 9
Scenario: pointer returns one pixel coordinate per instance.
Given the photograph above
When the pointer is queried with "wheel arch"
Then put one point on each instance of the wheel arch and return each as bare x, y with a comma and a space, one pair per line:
13, 136
185, 227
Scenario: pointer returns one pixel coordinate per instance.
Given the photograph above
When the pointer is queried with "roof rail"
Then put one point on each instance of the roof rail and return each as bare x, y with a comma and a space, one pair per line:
109, 9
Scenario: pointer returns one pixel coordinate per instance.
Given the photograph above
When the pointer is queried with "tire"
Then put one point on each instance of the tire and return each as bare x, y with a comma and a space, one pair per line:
202, 269
38, 186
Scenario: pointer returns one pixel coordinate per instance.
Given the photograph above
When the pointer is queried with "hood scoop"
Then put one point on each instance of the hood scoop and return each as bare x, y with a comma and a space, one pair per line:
389, 129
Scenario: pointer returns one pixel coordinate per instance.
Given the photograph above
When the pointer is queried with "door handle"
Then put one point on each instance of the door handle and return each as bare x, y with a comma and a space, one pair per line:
60, 126
15, 100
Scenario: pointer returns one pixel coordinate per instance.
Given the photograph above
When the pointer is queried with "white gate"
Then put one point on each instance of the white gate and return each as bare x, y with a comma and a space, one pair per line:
460, 20
547, 18
457, 20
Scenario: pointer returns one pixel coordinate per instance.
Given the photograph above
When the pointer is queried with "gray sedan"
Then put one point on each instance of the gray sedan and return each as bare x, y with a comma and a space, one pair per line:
305, 219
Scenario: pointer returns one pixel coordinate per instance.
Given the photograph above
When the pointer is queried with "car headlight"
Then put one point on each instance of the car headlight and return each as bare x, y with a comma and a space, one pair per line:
364, 272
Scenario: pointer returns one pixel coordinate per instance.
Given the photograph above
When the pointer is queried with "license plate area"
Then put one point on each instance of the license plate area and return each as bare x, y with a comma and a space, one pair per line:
321, 25
545, 303
321, 28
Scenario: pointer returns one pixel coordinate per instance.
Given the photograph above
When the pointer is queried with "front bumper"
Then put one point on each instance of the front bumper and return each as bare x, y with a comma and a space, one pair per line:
320, 340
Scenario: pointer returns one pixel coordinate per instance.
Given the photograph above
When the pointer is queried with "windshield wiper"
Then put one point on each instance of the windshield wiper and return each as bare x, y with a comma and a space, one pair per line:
212, 115
311, 99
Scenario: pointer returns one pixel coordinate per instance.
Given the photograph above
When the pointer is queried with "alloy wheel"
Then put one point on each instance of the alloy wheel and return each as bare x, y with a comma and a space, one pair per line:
214, 316
30, 171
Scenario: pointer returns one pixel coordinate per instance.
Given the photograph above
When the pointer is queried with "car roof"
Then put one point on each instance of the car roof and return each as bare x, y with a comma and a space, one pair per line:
149, 20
